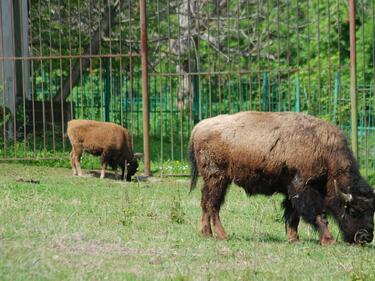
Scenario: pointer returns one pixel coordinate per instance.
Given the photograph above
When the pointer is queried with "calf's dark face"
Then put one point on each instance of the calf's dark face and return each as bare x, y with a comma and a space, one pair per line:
357, 215
132, 169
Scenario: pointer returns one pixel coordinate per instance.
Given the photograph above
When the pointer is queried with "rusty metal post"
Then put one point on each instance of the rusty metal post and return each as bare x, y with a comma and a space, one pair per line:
146, 115
353, 78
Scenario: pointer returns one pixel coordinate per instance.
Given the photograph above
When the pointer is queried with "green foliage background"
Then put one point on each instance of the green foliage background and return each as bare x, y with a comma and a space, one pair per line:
246, 55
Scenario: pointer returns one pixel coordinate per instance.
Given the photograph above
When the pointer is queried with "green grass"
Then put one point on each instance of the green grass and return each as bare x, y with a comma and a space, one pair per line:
70, 228
60, 159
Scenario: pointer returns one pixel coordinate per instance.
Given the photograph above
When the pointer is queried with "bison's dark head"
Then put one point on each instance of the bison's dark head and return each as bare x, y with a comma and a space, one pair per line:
355, 212
132, 169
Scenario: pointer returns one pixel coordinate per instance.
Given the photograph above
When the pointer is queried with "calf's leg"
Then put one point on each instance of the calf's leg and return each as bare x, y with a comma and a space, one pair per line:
72, 162
104, 164
75, 159
216, 188
123, 171
102, 172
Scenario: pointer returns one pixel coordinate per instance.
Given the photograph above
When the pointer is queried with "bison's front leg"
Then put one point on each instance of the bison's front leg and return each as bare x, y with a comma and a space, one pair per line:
104, 163
326, 237
216, 189
291, 218
102, 172
123, 171
310, 205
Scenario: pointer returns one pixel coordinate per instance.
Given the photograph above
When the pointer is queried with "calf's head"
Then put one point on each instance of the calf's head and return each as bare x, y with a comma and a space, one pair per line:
355, 212
132, 169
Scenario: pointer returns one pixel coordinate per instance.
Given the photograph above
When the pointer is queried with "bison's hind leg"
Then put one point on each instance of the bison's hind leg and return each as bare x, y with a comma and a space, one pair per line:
213, 195
72, 163
205, 227
75, 158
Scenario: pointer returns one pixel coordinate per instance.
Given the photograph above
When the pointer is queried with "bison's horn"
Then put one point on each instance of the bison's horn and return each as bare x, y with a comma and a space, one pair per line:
344, 196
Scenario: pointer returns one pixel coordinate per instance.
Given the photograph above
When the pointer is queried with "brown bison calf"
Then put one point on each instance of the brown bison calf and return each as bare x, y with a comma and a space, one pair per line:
109, 141
304, 158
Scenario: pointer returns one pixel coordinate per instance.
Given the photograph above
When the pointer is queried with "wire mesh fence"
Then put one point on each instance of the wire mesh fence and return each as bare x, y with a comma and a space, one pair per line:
81, 59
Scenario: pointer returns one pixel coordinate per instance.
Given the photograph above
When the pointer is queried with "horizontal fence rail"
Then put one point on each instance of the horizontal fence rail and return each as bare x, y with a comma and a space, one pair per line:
61, 60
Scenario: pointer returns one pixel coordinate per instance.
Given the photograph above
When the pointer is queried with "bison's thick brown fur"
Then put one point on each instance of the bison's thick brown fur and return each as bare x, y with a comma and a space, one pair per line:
112, 142
298, 155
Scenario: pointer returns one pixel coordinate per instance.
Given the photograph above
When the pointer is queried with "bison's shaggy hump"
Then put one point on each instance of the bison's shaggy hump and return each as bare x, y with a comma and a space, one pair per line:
295, 154
111, 141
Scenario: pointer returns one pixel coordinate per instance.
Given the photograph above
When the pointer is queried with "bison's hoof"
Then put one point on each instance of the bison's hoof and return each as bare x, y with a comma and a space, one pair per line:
327, 241
206, 232
292, 236
222, 237
293, 239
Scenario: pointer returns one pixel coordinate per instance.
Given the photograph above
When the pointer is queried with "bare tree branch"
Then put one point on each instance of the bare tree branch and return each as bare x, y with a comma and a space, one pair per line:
108, 20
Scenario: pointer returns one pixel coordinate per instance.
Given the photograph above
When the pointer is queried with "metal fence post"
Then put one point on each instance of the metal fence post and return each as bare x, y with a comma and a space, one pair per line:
353, 78
107, 91
146, 115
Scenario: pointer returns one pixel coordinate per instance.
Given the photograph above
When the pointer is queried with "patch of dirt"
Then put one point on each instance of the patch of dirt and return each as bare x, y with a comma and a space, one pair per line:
76, 244
19, 179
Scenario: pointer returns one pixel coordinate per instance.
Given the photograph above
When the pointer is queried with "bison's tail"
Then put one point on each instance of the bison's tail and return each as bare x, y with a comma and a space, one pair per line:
193, 167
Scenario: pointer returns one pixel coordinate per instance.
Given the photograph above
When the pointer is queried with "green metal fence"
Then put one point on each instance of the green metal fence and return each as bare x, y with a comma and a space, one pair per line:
205, 58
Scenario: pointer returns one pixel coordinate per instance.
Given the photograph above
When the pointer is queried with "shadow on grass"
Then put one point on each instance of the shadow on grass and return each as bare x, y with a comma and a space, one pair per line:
108, 175
268, 238
111, 175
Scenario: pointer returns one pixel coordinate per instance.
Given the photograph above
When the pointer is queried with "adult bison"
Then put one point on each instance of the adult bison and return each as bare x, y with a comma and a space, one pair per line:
112, 142
298, 155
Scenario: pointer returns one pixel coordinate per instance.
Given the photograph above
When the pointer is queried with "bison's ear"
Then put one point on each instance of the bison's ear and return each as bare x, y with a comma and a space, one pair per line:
347, 198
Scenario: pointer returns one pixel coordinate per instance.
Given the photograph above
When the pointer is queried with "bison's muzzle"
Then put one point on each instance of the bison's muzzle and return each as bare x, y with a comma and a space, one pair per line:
363, 236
